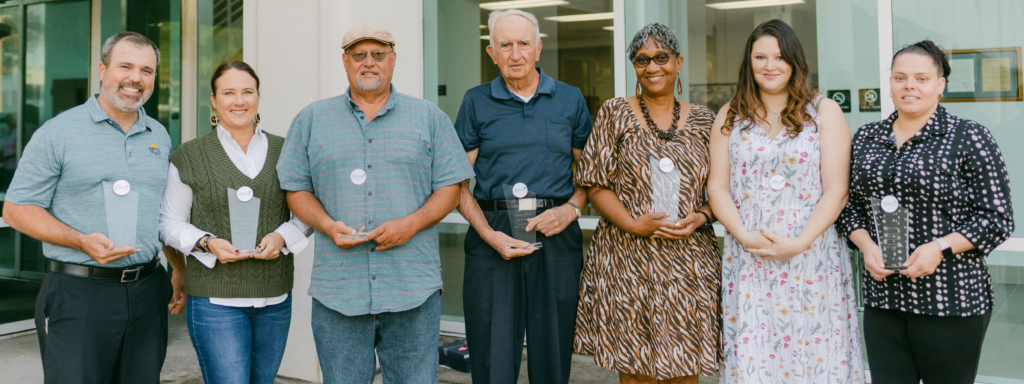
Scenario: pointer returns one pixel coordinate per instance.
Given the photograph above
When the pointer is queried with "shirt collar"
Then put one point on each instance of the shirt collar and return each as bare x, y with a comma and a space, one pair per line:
499, 90
390, 104
223, 134
98, 114
939, 124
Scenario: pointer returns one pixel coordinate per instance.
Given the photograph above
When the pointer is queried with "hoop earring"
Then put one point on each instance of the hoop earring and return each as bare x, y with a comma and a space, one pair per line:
638, 89
679, 85
214, 120
257, 118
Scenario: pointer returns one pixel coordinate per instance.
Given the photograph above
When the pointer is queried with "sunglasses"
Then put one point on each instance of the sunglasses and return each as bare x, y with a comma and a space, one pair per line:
644, 61
377, 56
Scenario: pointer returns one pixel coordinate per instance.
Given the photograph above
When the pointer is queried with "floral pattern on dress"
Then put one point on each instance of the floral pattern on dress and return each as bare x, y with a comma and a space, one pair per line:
793, 321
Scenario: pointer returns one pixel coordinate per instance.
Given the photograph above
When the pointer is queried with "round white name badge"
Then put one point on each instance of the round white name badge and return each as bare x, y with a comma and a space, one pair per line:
121, 187
890, 204
244, 194
358, 177
666, 165
777, 182
519, 190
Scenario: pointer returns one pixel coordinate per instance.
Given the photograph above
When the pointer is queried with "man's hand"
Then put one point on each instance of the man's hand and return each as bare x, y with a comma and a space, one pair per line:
923, 261
101, 249
506, 246
338, 230
179, 297
682, 229
393, 233
226, 252
552, 221
270, 246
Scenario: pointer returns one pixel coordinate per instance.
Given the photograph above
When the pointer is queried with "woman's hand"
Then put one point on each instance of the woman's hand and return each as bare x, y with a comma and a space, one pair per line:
226, 252
874, 262
923, 261
270, 246
646, 225
753, 240
781, 248
682, 229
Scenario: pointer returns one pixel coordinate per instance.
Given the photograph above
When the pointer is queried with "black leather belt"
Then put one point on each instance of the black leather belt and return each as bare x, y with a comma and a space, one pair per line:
124, 275
503, 205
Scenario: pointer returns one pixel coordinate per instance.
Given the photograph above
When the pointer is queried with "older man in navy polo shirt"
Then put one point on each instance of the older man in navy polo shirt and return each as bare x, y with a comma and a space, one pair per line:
523, 127
89, 185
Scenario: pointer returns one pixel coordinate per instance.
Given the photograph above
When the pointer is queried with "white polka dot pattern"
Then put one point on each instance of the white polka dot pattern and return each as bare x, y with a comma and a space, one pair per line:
952, 178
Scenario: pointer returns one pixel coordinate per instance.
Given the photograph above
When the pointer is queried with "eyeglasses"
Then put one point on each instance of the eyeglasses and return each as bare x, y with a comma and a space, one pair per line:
524, 45
377, 56
644, 61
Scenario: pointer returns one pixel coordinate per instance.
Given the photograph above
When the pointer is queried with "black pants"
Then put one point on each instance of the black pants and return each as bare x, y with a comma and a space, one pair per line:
103, 331
904, 348
537, 293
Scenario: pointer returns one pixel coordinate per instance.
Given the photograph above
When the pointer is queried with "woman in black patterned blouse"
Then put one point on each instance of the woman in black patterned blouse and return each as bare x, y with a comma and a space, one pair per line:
927, 321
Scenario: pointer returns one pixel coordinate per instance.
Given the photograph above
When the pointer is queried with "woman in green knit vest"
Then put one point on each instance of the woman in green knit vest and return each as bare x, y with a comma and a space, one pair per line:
223, 206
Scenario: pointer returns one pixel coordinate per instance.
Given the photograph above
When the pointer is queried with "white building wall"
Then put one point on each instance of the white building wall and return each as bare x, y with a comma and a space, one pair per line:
295, 47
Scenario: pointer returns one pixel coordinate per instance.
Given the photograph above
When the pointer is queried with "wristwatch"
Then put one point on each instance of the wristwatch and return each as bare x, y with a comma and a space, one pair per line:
578, 212
707, 220
947, 251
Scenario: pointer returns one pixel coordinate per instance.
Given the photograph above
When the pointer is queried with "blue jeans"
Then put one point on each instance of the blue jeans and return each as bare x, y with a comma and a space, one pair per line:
238, 345
405, 342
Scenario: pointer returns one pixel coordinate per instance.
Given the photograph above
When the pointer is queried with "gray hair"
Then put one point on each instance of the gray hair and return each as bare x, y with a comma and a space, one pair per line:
131, 37
663, 36
492, 20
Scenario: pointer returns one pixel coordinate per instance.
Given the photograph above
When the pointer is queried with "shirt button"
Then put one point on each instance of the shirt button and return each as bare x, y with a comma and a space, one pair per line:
369, 193
373, 278
369, 141
373, 249
369, 166
129, 154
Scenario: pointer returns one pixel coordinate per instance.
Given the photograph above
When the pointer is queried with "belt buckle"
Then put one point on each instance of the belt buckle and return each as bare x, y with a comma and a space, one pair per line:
124, 274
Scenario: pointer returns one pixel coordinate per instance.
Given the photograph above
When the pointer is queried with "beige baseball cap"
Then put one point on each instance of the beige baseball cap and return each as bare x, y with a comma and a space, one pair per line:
367, 32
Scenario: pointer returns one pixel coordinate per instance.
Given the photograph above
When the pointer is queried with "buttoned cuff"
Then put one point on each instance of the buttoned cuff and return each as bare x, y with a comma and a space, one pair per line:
295, 241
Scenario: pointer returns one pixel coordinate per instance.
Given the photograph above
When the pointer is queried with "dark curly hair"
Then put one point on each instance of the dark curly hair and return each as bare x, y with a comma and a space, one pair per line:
926, 48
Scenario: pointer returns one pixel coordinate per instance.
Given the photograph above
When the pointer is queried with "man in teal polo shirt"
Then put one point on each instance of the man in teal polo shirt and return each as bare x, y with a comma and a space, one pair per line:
89, 185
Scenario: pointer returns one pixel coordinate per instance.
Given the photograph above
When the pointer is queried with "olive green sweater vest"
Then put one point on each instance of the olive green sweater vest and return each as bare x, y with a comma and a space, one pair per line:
203, 165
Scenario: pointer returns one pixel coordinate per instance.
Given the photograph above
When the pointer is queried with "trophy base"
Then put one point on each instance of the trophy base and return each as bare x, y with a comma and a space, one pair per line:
250, 251
358, 236
895, 267
532, 245
136, 246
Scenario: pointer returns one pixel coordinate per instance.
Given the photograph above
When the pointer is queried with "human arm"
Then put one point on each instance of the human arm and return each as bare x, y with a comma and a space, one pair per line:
553, 221
38, 223
990, 222
685, 227
305, 206
834, 140
719, 193
177, 262
175, 227
395, 232
505, 245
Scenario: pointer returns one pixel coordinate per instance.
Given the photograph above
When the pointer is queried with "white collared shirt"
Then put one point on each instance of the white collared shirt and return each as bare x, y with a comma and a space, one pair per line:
176, 210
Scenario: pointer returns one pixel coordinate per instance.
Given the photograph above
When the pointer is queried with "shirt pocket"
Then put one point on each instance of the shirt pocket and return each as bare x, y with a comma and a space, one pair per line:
406, 147
559, 132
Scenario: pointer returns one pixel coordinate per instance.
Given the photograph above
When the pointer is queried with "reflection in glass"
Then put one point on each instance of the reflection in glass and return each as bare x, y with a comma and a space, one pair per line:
220, 40
10, 75
160, 21
576, 50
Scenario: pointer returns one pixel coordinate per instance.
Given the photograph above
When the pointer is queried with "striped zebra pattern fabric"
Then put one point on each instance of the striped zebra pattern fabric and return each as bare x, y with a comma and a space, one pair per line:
649, 306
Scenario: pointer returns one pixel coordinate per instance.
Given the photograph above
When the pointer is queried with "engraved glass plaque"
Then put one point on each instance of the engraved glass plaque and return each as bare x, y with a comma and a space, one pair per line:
122, 206
245, 217
522, 206
893, 228
665, 188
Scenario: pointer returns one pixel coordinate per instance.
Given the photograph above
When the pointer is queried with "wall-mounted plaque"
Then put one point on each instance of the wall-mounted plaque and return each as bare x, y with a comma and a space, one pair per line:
991, 74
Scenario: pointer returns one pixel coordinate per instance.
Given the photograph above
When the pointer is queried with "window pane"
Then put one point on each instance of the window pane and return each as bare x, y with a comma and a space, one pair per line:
220, 40
160, 21
10, 77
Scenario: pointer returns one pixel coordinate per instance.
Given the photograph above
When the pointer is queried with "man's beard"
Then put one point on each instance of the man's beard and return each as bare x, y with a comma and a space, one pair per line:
118, 100
369, 88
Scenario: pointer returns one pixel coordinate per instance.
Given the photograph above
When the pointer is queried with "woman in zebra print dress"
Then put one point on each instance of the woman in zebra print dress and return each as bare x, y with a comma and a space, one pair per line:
649, 305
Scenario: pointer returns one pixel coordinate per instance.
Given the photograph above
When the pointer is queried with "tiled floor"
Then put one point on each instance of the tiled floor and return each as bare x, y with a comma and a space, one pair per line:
1003, 353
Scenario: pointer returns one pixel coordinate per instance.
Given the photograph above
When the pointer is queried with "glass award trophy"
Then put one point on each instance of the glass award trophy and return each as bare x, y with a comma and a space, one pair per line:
122, 206
358, 177
522, 206
244, 209
665, 187
892, 226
